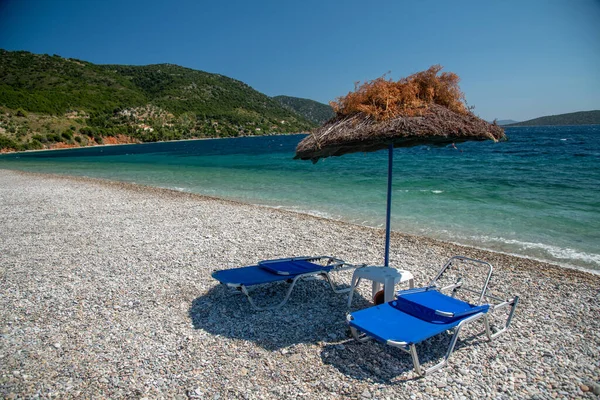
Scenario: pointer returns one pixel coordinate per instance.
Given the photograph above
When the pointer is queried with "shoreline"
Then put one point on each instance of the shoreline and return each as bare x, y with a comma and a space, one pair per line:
243, 136
420, 237
107, 292
307, 214
164, 141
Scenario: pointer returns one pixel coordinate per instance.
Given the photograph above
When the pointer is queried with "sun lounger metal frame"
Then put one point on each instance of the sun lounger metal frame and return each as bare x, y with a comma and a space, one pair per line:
410, 347
332, 264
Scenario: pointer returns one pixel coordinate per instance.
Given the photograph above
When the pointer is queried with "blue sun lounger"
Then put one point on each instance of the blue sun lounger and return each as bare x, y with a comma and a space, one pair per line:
281, 270
419, 314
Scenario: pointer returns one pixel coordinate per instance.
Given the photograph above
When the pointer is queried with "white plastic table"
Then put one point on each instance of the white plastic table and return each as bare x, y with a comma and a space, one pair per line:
386, 276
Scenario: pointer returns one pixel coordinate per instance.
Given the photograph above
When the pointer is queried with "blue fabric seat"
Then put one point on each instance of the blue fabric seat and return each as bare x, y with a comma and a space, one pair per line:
280, 270
419, 314
247, 276
294, 267
385, 322
413, 317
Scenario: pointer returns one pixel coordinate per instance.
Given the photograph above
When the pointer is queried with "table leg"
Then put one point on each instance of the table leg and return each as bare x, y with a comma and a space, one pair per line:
388, 290
353, 285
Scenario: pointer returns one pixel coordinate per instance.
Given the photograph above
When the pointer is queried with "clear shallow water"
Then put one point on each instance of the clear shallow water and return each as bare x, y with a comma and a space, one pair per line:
537, 195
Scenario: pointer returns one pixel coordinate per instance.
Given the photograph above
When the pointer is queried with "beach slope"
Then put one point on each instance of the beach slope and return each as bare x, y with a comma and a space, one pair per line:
105, 291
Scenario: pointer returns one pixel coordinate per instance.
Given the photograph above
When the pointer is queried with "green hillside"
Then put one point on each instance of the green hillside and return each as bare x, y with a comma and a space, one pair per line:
49, 101
309, 109
576, 118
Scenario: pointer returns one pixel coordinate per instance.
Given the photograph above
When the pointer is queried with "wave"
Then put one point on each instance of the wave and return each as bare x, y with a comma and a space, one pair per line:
179, 189
434, 191
556, 252
303, 210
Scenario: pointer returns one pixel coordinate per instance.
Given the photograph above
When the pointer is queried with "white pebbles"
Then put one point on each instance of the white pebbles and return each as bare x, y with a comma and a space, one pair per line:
105, 292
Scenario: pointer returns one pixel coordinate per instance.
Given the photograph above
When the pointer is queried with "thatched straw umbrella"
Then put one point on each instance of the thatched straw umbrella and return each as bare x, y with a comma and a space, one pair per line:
435, 125
362, 133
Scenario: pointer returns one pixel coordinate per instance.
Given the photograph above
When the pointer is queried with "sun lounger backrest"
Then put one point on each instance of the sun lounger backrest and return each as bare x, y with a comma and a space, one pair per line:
468, 276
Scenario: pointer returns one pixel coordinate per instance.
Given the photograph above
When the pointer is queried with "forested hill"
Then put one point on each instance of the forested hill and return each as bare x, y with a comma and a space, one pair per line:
309, 109
576, 118
50, 101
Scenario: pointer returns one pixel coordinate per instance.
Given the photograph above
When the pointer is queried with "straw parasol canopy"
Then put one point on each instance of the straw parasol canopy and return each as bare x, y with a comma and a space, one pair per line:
418, 120
423, 108
362, 133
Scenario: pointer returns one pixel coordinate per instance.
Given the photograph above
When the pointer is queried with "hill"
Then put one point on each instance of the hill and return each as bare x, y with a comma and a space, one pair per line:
503, 122
50, 101
575, 118
311, 110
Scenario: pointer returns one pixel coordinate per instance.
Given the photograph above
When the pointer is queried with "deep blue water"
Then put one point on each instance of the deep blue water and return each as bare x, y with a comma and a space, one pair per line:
537, 195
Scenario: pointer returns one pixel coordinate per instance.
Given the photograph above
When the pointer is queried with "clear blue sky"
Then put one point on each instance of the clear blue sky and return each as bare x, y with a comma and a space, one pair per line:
518, 59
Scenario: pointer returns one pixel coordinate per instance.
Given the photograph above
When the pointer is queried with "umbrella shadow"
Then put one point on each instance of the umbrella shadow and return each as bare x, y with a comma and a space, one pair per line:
312, 314
376, 362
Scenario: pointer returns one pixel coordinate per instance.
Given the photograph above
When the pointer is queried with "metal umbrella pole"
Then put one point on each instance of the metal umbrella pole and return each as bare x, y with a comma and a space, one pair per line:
389, 205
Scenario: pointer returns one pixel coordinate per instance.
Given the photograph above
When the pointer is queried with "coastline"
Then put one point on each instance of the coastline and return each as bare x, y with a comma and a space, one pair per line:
160, 141
420, 237
99, 274
457, 245
242, 136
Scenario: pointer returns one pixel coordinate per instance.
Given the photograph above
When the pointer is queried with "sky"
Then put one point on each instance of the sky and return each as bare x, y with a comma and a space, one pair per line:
516, 59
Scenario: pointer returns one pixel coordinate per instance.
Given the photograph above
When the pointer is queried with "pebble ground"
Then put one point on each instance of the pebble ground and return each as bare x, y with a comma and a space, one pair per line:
105, 292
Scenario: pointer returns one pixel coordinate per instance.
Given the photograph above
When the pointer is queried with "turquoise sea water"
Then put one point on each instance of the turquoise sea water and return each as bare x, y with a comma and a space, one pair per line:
537, 195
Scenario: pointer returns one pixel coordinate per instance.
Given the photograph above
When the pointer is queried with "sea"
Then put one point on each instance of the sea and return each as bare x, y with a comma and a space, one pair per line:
536, 195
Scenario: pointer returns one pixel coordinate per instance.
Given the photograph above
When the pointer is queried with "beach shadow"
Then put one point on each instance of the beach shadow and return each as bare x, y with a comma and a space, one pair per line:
377, 362
313, 314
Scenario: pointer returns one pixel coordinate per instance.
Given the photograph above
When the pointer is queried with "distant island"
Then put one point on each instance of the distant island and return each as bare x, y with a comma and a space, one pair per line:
574, 118
54, 102
503, 122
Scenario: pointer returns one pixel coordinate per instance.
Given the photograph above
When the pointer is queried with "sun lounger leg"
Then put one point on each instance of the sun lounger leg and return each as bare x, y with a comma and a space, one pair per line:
509, 303
285, 299
358, 337
346, 290
353, 285
415, 357
244, 290
453, 343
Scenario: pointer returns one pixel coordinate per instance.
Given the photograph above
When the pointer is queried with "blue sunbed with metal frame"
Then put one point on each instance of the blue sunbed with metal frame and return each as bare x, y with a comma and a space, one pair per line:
419, 314
281, 270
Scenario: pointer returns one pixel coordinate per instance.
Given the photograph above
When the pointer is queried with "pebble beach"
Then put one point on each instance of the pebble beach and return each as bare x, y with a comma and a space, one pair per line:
106, 292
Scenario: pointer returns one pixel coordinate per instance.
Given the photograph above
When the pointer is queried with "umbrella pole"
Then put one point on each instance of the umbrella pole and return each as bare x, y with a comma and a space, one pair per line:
389, 205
